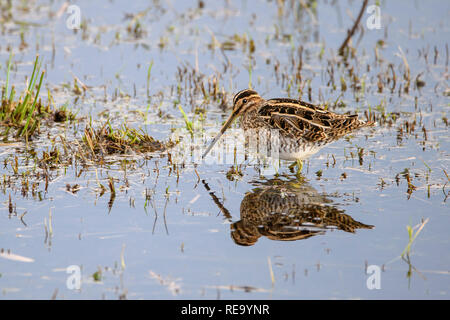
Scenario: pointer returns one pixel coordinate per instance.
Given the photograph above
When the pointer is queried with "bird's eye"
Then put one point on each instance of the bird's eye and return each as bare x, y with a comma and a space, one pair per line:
244, 101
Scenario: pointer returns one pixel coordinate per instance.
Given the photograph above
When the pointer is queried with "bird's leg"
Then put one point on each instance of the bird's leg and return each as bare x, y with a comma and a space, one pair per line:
299, 164
292, 165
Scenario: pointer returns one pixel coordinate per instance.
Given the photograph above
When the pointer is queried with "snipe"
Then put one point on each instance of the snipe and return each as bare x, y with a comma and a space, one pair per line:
288, 211
304, 128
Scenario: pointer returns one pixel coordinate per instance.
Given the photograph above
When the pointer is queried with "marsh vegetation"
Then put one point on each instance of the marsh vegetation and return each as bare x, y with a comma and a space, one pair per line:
87, 118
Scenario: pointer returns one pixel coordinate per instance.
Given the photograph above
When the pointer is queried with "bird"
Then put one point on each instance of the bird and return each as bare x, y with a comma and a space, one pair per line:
288, 211
304, 128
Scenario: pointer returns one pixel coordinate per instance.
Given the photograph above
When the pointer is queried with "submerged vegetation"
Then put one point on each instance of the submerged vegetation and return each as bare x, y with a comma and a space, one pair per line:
26, 118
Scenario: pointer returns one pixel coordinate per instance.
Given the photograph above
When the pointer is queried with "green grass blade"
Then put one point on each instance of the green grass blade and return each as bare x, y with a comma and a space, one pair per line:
148, 77
21, 108
186, 120
5, 93
34, 71
34, 104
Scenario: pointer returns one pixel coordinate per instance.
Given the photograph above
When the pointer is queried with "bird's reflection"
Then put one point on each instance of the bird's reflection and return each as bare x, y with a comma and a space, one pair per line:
288, 211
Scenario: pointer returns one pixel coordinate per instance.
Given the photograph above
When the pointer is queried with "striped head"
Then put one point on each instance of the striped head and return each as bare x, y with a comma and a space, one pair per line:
244, 100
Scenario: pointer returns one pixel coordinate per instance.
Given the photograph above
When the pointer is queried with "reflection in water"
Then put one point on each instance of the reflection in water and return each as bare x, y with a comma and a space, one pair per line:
287, 211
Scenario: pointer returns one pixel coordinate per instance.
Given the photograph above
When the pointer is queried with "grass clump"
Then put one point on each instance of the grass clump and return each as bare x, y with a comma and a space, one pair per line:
25, 115
124, 140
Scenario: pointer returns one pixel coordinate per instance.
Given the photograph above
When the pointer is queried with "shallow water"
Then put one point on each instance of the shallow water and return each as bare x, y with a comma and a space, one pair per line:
168, 232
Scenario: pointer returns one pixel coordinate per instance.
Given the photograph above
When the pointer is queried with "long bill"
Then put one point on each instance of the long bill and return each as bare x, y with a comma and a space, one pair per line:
222, 130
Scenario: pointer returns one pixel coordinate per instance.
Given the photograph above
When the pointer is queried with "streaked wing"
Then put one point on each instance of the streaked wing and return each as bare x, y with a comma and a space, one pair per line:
304, 120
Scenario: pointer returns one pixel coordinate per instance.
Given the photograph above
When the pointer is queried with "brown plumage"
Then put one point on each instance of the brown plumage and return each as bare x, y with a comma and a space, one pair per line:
288, 211
304, 128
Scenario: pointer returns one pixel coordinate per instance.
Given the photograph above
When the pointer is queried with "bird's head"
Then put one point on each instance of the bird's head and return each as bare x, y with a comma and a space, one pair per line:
244, 101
